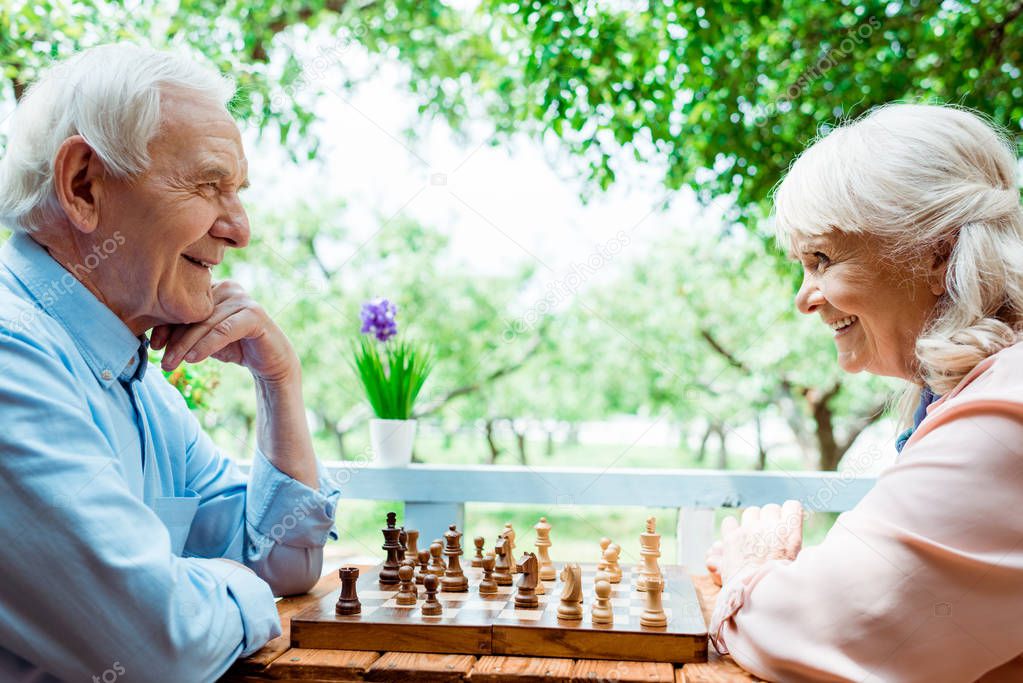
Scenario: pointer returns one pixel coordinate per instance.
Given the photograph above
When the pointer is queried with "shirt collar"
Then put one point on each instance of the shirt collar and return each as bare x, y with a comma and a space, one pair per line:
106, 343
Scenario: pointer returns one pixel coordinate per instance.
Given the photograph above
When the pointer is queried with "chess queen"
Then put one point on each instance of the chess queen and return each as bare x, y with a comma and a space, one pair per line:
908, 226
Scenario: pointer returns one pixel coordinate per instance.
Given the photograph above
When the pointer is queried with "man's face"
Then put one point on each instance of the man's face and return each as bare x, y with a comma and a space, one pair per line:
183, 212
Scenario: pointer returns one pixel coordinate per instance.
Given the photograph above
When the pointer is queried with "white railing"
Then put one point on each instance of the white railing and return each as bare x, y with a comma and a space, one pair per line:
435, 495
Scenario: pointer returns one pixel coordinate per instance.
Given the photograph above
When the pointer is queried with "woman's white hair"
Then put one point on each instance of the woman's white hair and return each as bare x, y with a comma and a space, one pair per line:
110, 95
924, 180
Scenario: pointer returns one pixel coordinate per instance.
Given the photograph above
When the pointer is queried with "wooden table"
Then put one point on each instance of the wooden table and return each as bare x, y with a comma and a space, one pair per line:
278, 661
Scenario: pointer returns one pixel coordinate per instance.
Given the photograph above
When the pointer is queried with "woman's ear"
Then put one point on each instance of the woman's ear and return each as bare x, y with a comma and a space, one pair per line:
939, 270
78, 173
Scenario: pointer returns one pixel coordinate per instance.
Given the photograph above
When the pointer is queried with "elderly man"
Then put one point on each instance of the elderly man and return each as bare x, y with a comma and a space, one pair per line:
132, 546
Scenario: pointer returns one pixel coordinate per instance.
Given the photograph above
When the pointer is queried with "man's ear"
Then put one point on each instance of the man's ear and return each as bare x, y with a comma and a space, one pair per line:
78, 174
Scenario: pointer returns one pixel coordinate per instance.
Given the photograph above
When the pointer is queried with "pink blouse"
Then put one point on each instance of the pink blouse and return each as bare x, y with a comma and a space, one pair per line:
923, 579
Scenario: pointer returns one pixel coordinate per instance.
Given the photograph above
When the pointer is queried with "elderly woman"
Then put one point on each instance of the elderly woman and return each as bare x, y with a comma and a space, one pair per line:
908, 225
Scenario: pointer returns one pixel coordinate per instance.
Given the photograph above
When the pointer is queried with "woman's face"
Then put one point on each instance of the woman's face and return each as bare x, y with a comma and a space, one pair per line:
876, 308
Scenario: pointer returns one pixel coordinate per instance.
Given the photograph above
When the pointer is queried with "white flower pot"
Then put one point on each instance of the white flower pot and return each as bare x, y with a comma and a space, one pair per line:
392, 441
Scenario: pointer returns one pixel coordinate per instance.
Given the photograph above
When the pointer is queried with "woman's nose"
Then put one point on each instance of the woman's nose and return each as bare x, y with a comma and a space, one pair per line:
809, 297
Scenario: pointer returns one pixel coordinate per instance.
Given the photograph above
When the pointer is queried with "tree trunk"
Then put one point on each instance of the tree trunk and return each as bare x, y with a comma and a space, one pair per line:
549, 452
702, 453
494, 451
761, 451
830, 452
520, 441
723, 452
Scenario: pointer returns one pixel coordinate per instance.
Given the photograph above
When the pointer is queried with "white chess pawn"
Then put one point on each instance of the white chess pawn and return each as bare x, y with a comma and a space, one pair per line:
614, 572
601, 612
604, 543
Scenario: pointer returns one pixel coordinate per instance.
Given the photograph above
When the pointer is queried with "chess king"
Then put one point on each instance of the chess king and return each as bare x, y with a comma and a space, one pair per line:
136, 540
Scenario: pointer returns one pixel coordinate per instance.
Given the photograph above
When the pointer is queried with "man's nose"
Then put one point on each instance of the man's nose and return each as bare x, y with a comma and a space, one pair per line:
233, 224
809, 297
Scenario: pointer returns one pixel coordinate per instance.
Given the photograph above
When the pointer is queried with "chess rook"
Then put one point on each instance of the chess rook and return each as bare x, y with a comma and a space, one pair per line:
348, 601
412, 543
653, 614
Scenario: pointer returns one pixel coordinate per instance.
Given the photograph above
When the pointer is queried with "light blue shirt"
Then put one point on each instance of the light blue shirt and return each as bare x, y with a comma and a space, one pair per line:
114, 502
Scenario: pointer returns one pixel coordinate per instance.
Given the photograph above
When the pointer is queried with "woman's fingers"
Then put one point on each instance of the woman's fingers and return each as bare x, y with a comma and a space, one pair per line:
750, 516
729, 525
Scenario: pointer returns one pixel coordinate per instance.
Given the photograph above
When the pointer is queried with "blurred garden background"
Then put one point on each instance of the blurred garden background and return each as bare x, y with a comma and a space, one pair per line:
568, 201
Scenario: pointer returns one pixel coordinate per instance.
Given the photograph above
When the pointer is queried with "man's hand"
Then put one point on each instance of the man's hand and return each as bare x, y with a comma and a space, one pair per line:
767, 533
238, 331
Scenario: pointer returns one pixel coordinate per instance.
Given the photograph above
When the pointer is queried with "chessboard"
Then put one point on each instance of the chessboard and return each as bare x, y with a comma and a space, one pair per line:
491, 624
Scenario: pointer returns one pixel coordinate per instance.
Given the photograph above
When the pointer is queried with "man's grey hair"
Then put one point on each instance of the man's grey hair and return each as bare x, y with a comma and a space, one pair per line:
110, 95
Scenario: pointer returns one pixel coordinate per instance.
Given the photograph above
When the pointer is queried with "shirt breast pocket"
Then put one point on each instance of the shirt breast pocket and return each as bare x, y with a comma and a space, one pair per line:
177, 513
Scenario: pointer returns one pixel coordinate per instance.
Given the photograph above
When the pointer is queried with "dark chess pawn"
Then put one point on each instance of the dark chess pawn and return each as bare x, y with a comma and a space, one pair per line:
424, 566
487, 585
478, 560
436, 567
432, 607
407, 593
348, 602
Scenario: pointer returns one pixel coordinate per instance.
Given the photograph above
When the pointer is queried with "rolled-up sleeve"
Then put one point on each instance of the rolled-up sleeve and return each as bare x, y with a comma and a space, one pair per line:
89, 581
928, 566
268, 521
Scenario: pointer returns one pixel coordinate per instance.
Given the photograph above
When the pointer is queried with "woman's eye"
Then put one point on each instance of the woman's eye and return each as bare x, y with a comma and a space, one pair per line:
822, 260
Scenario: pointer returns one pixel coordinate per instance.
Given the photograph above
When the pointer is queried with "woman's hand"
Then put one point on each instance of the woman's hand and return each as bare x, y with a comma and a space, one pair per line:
768, 533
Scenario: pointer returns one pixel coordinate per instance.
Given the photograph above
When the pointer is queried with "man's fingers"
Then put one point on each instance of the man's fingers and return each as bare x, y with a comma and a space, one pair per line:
184, 338
232, 328
158, 337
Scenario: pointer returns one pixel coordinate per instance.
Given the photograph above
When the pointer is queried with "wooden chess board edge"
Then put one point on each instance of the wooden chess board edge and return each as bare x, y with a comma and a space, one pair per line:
611, 645
309, 632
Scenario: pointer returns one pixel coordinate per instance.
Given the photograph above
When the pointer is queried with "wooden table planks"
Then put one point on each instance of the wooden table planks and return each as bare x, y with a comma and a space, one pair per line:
278, 662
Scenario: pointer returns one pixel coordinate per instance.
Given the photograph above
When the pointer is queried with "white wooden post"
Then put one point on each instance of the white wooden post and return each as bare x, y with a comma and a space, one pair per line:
432, 520
693, 537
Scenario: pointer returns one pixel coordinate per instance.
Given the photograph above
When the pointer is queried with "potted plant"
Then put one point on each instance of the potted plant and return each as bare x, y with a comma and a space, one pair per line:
392, 371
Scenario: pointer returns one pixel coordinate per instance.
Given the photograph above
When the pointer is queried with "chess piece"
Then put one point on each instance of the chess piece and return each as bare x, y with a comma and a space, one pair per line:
424, 566
543, 542
650, 550
436, 567
478, 560
487, 584
389, 572
454, 580
529, 568
510, 533
653, 614
601, 611
611, 568
502, 565
402, 542
348, 601
412, 544
407, 593
604, 543
432, 606
571, 595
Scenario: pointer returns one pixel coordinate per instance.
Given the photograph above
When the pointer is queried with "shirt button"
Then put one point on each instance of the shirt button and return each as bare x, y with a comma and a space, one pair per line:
107, 375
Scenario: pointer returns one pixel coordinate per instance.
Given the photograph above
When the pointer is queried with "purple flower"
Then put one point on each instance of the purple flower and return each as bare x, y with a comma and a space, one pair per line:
378, 319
